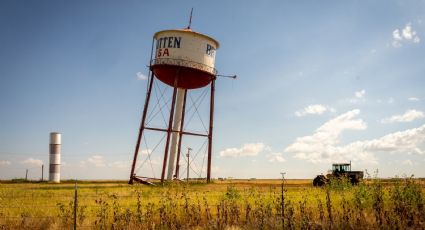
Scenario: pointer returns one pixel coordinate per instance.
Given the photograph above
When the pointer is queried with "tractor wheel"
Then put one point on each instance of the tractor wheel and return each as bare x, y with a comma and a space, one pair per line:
354, 180
320, 180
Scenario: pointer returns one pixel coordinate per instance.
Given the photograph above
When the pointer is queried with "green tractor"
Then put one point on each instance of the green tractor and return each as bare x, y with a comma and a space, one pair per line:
339, 171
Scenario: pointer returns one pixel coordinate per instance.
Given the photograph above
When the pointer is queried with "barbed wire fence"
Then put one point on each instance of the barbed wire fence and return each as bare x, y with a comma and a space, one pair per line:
69, 206
22, 206
119, 206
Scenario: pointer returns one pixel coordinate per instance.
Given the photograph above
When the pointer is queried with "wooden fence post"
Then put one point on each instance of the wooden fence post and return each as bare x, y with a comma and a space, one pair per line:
75, 205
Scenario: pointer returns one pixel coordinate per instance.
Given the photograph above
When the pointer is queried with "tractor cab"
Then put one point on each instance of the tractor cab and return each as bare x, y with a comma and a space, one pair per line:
341, 168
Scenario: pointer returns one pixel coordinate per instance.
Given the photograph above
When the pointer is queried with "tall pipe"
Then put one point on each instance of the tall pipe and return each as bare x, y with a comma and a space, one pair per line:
55, 157
175, 135
179, 146
169, 131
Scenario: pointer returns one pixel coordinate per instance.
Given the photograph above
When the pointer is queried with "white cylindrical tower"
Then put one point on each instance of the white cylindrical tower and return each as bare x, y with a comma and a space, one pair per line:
55, 157
175, 135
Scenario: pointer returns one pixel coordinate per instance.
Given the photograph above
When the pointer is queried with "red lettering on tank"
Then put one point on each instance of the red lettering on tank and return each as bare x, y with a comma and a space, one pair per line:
165, 52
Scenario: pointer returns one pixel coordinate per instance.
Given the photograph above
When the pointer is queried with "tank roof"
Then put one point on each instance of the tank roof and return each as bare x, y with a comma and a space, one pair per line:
188, 31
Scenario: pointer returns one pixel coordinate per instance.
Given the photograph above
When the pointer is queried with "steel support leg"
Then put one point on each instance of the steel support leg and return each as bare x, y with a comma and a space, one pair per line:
210, 133
142, 127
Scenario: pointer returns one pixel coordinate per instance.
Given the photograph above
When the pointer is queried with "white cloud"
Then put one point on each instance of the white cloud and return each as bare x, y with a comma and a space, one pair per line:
32, 161
97, 161
4, 162
141, 76
396, 35
323, 146
413, 99
408, 116
407, 162
276, 157
250, 149
119, 164
407, 141
396, 38
390, 100
317, 109
416, 39
360, 94
407, 34
396, 43
146, 151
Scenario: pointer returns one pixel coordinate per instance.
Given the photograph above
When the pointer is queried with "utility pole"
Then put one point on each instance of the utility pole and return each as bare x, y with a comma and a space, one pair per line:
188, 164
42, 173
283, 177
26, 174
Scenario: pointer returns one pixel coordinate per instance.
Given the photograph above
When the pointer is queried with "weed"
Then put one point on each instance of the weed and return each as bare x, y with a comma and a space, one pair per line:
102, 214
66, 213
378, 202
329, 207
394, 204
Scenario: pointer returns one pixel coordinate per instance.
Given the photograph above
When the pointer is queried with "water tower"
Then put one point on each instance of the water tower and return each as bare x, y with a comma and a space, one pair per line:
184, 60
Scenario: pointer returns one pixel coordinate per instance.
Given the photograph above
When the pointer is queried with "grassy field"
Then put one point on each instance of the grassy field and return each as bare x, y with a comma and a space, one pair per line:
229, 204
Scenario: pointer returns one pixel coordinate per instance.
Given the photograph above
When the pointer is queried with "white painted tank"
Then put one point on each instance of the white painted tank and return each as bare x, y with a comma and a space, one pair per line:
184, 58
55, 157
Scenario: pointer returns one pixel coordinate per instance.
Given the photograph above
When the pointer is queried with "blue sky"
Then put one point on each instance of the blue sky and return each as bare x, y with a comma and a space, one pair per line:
318, 82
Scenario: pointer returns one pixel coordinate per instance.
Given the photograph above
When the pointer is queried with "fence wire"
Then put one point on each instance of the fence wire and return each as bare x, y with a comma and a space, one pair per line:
35, 206
48, 206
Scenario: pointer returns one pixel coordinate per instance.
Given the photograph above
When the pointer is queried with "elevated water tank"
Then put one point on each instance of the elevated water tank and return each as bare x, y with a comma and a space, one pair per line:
184, 58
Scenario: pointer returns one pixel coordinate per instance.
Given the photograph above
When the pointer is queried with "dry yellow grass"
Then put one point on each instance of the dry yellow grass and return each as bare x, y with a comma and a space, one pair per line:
227, 204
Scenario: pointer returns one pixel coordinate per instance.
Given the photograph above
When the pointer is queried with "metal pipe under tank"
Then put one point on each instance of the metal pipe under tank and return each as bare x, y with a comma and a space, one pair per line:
175, 135
55, 157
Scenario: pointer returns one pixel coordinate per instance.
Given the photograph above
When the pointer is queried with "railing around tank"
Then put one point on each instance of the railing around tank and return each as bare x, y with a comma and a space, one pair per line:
184, 63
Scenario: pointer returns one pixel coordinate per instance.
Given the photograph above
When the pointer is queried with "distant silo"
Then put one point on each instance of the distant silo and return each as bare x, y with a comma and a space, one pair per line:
55, 157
